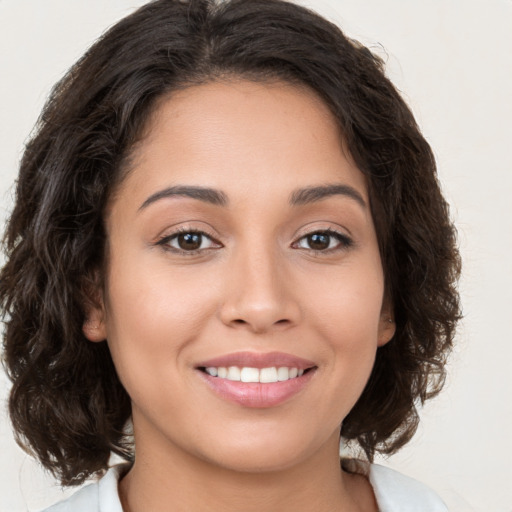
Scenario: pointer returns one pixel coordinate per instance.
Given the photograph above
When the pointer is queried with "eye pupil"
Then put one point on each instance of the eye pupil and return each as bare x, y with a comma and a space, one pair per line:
319, 241
189, 241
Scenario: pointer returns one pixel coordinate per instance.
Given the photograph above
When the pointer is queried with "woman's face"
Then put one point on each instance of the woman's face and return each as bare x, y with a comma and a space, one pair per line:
242, 246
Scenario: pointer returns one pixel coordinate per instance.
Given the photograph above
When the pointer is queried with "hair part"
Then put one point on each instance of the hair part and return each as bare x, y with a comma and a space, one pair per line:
67, 405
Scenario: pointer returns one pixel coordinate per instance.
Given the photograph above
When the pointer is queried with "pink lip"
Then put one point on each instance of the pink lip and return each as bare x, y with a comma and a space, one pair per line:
258, 360
255, 394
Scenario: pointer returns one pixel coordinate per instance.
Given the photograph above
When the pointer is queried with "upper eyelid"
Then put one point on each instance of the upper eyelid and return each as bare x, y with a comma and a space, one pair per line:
342, 237
343, 232
178, 232
329, 231
174, 231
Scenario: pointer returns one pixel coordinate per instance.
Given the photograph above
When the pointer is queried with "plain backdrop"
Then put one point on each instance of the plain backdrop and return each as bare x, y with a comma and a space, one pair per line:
452, 61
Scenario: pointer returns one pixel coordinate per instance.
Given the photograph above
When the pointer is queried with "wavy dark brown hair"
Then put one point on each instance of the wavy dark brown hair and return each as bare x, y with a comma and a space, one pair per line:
67, 405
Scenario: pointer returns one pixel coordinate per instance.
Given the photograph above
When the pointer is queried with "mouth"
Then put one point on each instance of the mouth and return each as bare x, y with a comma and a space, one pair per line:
257, 380
266, 375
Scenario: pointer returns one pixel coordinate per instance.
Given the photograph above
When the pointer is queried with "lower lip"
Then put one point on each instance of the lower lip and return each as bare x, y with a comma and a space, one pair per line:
256, 394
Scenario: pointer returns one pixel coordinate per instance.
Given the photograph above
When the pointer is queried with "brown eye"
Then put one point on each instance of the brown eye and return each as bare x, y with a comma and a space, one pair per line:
318, 241
189, 241
324, 241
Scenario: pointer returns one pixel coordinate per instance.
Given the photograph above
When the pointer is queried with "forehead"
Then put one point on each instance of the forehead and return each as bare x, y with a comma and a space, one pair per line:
242, 135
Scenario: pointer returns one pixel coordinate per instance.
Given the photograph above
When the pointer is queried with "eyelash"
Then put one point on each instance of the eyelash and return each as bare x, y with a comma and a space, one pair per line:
345, 242
165, 241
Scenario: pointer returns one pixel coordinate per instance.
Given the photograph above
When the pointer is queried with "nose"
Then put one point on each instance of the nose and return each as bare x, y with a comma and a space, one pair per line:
259, 293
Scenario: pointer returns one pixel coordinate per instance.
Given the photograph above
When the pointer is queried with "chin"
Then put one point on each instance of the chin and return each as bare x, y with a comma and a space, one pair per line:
271, 452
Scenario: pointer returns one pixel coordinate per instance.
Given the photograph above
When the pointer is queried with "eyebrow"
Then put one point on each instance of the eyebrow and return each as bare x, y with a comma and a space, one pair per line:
216, 197
205, 194
313, 194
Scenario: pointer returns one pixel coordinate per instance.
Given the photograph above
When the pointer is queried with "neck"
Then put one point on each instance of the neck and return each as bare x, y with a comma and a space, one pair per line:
173, 476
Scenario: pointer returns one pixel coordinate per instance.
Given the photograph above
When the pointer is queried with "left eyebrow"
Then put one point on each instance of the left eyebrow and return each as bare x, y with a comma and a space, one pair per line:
309, 195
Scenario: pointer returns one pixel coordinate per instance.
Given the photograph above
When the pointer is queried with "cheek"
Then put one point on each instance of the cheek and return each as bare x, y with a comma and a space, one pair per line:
346, 315
348, 304
153, 315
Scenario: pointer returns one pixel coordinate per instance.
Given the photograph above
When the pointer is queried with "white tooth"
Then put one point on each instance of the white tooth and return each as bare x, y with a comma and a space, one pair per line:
293, 373
211, 370
283, 373
268, 374
300, 372
250, 375
233, 373
222, 372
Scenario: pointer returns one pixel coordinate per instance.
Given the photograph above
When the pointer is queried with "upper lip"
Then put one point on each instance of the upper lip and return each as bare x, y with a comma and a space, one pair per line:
258, 360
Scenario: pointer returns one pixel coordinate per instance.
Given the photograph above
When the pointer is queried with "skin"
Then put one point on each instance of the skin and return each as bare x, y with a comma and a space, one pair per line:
255, 285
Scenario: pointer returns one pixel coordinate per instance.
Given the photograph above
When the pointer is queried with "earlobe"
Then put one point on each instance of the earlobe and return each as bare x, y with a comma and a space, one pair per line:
94, 326
387, 329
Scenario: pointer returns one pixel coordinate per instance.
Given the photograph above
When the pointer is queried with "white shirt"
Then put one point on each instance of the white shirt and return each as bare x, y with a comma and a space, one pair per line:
394, 492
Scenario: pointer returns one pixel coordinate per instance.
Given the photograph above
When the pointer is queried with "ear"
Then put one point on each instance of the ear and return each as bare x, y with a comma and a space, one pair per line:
387, 326
94, 327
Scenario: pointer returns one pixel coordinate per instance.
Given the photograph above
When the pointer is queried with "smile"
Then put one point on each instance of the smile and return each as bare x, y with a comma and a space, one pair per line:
257, 380
250, 374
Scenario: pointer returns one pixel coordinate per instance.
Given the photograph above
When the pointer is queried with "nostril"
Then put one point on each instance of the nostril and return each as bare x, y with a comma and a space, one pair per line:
260, 326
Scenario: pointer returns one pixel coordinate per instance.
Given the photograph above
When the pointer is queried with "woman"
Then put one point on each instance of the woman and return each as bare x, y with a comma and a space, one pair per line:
229, 236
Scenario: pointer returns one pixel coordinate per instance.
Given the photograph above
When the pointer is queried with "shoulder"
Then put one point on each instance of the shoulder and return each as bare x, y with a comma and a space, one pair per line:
396, 492
101, 496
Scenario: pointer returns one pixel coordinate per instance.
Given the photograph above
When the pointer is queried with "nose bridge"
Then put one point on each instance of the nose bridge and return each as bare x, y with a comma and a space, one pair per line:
256, 295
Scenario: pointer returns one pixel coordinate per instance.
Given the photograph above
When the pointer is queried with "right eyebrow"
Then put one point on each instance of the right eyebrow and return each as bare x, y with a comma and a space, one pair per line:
206, 194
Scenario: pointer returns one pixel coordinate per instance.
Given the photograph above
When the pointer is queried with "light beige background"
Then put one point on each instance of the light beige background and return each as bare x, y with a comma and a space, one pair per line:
452, 59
